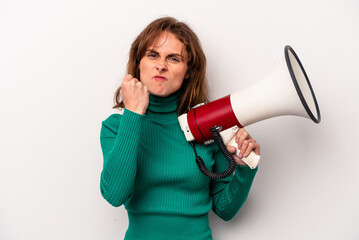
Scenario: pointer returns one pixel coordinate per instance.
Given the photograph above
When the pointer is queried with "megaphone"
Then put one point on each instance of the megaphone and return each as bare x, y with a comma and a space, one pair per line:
285, 91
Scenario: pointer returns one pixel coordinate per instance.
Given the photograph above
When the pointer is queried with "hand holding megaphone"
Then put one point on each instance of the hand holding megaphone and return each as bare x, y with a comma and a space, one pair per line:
229, 137
285, 91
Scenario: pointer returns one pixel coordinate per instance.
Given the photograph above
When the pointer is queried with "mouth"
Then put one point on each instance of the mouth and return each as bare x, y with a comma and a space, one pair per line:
160, 78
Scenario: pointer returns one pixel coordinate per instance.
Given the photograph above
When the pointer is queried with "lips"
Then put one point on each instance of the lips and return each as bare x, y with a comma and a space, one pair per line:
160, 78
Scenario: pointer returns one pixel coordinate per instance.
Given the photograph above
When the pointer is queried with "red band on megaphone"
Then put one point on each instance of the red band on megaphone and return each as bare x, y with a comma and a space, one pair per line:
216, 113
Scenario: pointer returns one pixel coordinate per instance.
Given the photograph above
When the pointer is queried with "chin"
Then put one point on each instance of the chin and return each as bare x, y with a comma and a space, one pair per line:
160, 93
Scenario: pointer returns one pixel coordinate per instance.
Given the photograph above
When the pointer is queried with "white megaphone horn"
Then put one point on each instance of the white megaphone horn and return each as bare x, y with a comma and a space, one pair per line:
285, 91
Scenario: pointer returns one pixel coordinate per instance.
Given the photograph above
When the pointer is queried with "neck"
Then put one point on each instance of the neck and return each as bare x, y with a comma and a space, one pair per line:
163, 105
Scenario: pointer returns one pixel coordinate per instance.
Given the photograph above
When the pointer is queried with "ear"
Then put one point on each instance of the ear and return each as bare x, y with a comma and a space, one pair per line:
187, 75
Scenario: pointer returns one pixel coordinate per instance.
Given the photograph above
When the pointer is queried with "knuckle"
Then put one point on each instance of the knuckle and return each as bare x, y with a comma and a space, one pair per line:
127, 78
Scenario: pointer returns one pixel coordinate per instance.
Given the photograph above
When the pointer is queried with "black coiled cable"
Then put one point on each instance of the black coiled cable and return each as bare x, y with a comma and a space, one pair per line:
232, 163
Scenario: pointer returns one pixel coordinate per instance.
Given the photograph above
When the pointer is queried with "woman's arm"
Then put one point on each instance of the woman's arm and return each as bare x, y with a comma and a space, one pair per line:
229, 194
120, 136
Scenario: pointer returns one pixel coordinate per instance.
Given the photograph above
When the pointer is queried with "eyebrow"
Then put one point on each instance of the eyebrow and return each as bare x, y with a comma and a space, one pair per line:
169, 55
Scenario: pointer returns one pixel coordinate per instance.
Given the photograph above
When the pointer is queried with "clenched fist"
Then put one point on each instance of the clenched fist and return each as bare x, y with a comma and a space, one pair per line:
134, 94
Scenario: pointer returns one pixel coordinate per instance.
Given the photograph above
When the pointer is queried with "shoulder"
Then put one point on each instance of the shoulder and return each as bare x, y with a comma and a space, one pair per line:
113, 121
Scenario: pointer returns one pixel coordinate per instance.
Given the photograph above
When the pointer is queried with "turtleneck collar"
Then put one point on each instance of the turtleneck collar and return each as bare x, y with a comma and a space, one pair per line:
163, 106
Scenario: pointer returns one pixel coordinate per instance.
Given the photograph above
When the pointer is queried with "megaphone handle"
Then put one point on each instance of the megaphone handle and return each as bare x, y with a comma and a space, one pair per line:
251, 160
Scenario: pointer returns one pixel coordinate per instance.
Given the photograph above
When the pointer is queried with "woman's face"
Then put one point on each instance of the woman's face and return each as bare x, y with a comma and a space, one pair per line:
164, 66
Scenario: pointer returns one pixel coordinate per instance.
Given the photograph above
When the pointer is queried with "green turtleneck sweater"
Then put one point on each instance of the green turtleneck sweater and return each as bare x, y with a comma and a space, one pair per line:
150, 168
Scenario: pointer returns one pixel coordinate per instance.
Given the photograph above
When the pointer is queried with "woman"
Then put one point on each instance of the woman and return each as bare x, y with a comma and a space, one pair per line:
148, 164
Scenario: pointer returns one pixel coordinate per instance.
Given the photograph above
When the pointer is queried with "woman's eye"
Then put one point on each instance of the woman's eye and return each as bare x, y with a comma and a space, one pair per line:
174, 59
152, 55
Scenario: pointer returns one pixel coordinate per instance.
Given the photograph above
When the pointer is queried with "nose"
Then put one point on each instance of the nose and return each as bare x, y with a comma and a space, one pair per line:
161, 65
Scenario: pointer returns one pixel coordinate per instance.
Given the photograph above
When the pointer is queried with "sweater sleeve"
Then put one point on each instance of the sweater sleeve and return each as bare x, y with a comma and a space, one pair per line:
119, 137
229, 194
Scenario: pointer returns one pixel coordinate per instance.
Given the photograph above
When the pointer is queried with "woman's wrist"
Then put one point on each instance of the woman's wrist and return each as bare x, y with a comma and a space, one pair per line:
138, 111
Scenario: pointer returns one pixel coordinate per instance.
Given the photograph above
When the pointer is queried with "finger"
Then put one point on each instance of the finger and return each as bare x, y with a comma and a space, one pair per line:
243, 147
128, 77
238, 134
134, 81
126, 81
231, 149
142, 88
138, 84
130, 84
257, 149
243, 136
251, 145
238, 160
129, 80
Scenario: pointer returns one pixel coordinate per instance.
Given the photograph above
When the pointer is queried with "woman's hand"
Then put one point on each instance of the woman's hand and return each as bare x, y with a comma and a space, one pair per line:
246, 144
134, 94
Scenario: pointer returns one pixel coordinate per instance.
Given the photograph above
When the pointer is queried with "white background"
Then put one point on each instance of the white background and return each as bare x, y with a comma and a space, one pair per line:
61, 61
